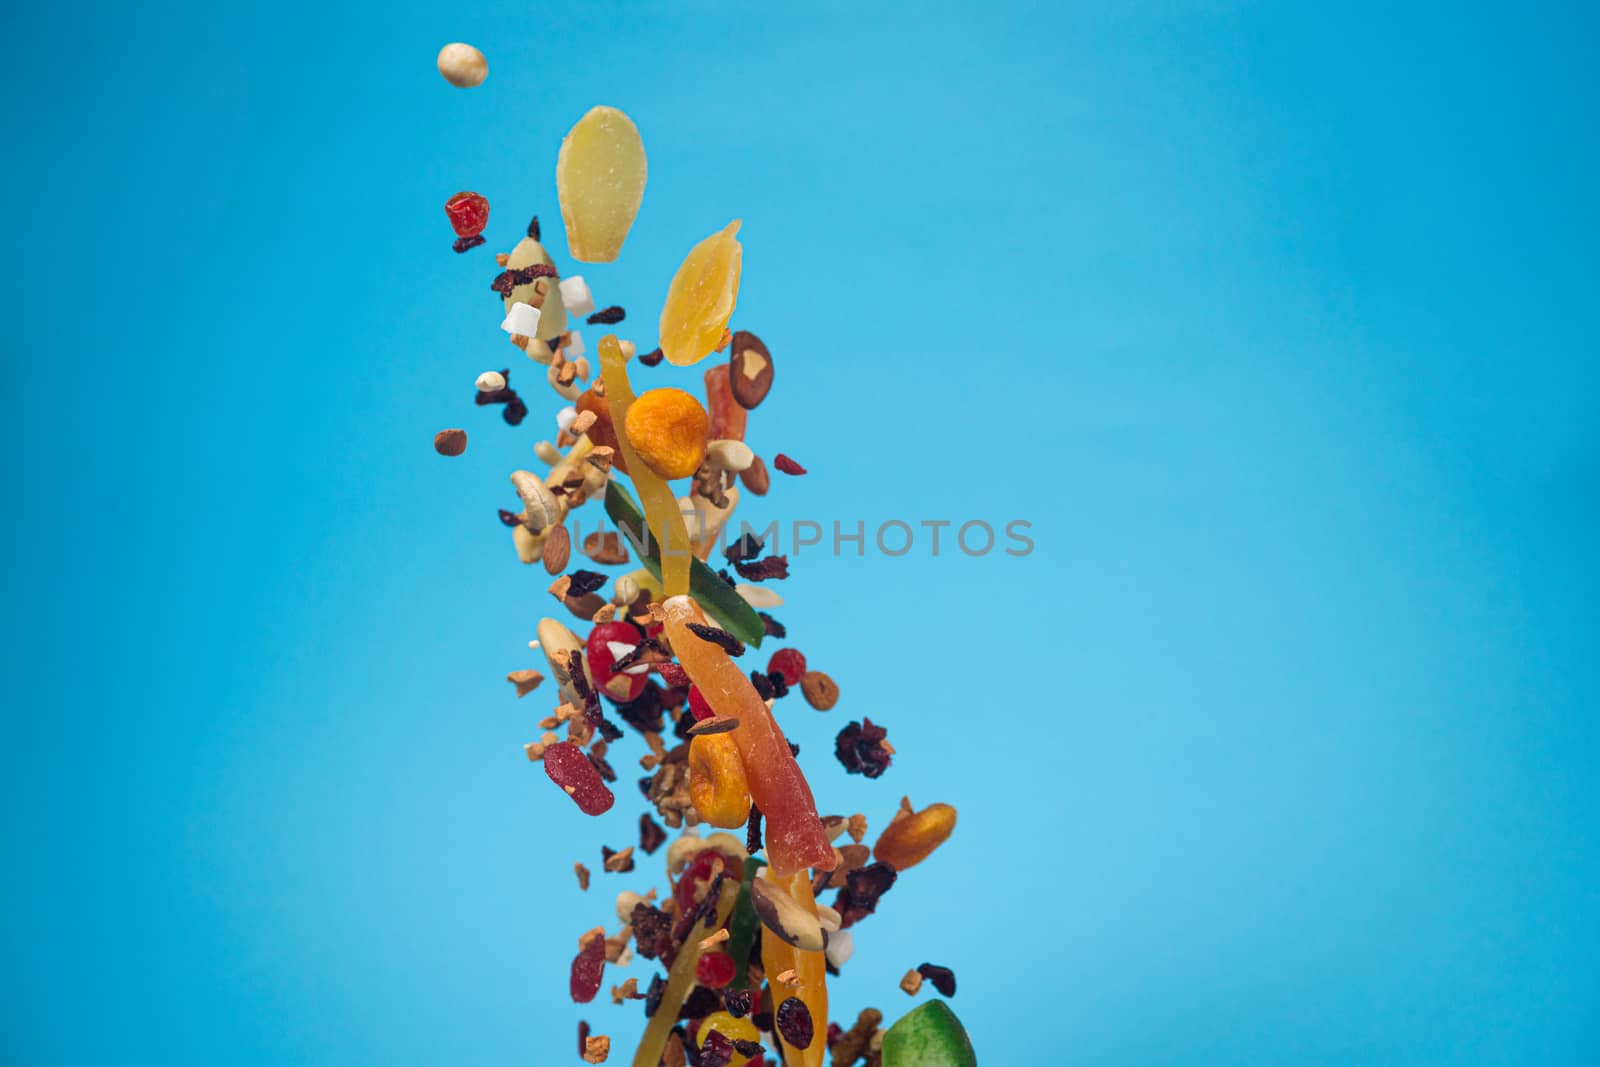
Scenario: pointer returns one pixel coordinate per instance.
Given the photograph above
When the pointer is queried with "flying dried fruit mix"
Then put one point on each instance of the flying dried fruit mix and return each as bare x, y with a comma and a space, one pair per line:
744, 940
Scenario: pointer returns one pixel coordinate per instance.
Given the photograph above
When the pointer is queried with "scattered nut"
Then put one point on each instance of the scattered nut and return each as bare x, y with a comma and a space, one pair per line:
605, 548
558, 550
756, 477
491, 381
858, 827
709, 943
910, 839
620, 861
596, 1049
525, 681
583, 875
750, 370
820, 691
540, 506
548, 453
782, 914
728, 455
912, 982
450, 442
462, 65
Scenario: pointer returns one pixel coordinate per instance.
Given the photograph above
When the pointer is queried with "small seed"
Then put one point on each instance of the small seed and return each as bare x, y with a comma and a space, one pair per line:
450, 442
820, 691
625, 591
717, 724
548, 453
750, 370
557, 549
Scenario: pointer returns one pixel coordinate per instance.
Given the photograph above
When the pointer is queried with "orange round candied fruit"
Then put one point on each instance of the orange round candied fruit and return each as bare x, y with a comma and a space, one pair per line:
668, 429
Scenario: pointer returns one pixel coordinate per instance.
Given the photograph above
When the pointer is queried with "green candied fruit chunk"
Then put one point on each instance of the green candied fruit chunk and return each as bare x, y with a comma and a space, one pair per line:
929, 1035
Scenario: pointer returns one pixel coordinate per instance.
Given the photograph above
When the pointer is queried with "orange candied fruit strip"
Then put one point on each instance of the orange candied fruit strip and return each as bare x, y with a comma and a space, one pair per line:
810, 970
794, 835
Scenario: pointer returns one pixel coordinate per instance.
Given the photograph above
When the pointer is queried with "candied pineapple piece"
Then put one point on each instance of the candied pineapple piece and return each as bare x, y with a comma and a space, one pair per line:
701, 298
600, 177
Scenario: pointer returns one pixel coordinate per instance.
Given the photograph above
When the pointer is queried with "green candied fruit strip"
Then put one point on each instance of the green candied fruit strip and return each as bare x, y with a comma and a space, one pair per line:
928, 1035
742, 926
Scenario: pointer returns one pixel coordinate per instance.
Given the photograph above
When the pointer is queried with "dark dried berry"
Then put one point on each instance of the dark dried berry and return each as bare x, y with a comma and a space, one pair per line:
761, 570
601, 765
651, 835
717, 1051
583, 1036
748, 547
794, 749
643, 712
835, 1032
608, 730
752, 838
787, 465
588, 966
700, 1003
461, 244
652, 996
515, 411
607, 316
652, 357
780, 685
943, 978
585, 582
509, 517
747, 1048
533, 228
773, 627
859, 747
717, 636
736, 1002
762, 683
644, 785
794, 1023
652, 930
861, 892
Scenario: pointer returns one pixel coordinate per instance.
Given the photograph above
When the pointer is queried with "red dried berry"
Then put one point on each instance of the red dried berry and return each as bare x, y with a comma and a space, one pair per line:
468, 212
588, 968
620, 688
714, 970
794, 1023
674, 675
697, 704
787, 465
569, 767
698, 876
789, 662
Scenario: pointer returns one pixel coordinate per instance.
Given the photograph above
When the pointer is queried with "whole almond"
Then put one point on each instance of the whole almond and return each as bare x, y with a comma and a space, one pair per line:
756, 478
750, 370
557, 549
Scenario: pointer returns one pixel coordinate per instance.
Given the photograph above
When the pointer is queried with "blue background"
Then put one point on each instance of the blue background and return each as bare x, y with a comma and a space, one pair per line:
1279, 324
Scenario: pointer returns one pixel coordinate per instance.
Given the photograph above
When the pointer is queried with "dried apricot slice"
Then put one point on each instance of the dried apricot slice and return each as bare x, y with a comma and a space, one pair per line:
600, 176
667, 428
702, 297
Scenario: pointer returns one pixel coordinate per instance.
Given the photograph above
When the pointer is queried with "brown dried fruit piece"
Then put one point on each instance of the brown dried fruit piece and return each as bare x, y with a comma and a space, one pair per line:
820, 691
910, 839
750, 370
450, 442
603, 433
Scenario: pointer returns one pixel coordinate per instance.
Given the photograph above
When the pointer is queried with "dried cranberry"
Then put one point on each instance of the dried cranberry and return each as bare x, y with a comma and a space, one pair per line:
794, 1023
588, 967
568, 766
861, 892
790, 662
468, 212
860, 749
697, 876
620, 688
652, 929
737, 1002
787, 465
674, 675
697, 704
714, 970
651, 835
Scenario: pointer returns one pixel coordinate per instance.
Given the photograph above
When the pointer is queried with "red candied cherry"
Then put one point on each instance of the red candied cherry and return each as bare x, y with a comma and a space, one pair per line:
698, 876
621, 688
697, 704
469, 214
790, 662
714, 970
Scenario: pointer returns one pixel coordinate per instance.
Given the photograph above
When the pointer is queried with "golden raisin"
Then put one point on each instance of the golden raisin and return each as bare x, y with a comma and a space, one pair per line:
717, 785
910, 839
668, 429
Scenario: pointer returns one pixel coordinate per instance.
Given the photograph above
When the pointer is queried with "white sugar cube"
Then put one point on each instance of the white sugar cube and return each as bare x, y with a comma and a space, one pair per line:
576, 296
574, 346
523, 319
565, 417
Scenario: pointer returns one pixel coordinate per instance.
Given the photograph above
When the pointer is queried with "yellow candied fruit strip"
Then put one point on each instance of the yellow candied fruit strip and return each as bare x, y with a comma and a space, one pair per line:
660, 503
600, 179
810, 969
682, 979
702, 297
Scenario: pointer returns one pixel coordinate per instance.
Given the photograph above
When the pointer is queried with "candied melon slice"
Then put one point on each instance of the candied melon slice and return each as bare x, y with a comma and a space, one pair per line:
702, 297
600, 176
